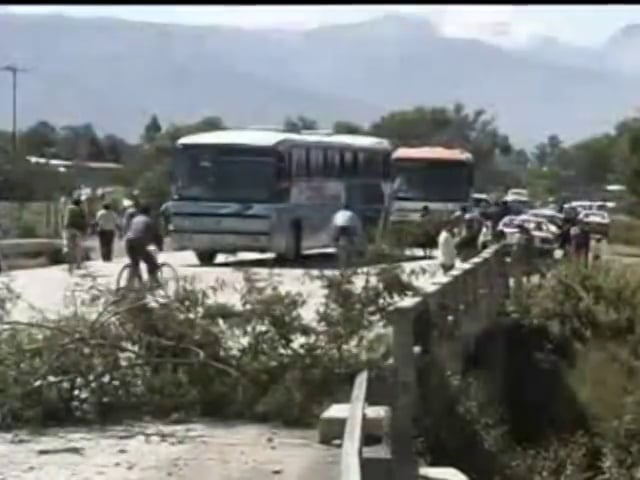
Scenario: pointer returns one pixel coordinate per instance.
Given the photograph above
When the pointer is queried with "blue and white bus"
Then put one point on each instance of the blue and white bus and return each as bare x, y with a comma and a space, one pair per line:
270, 191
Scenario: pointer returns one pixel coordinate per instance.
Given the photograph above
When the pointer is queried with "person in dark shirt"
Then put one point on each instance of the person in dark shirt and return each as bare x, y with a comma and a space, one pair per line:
142, 233
581, 241
75, 227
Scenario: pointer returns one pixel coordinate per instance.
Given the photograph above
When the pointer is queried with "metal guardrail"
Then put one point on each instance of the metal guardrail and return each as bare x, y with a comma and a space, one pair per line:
350, 466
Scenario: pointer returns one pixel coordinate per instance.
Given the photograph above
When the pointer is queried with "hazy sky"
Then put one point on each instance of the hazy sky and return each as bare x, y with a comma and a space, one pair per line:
504, 24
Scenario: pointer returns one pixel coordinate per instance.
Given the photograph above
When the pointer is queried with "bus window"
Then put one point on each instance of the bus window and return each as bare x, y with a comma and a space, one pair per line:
350, 163
358, 163
283, 166
331, 162
307, 163
343, 162
386, 165
316, 162
299, 162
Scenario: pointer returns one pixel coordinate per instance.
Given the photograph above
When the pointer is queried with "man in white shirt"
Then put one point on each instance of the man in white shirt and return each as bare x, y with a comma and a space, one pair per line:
347, 222
447, 248
107, 222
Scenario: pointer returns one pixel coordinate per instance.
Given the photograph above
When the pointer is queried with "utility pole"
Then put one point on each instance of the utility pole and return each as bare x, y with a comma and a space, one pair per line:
14, 70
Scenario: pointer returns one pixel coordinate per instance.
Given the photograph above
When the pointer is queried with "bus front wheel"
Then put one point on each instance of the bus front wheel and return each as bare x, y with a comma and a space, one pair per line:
206, 257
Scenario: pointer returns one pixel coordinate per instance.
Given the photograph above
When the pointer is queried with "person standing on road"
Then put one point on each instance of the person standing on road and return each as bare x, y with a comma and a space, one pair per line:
75, 227
447, 248
130, 212
486, 236
107, 223
580, 242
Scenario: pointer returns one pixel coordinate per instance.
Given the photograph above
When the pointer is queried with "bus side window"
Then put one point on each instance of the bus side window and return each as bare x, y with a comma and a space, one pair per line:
342, 164
316, 160
348, 158
299, 162
358, 163
283, 162
386, 165
333, 162
307, 162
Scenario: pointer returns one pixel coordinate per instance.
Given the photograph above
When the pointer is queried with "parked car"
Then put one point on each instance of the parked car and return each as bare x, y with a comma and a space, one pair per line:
549, 215
597, 221
480, 201
545, 234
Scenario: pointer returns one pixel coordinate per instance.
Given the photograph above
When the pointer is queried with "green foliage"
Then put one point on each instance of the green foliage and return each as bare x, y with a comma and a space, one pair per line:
588, 165
625, 231
152, 129
348, 128
153, 185
582, 303
596, 310
190, 354
301, 122
453, 128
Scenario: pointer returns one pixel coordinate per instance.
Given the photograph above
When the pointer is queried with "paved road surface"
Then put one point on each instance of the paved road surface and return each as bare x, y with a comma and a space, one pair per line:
49, 289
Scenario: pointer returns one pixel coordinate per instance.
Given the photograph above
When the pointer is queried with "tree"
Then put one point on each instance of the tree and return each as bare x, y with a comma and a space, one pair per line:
452, 128
39, 140
152, 129
348, 128
633, 177
80, 142
301, 122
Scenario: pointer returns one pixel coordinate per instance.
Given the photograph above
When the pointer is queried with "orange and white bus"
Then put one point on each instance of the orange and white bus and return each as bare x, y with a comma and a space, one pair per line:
438, 178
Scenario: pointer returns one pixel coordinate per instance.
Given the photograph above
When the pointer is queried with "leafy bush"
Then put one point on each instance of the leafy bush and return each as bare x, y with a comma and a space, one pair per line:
582, 303
27, 230
190, 354
595, 309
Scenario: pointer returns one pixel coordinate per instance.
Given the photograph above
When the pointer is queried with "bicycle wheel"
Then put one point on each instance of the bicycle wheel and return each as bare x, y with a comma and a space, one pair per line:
169, 278
123, 277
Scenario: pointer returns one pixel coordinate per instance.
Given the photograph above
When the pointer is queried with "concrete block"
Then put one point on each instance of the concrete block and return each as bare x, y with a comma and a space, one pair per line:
441, 473
376, 422
376, 462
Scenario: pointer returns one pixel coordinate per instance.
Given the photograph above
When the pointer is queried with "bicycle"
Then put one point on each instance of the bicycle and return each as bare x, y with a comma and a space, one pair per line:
167, 277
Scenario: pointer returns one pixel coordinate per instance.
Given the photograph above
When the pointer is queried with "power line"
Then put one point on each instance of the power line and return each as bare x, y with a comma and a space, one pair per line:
14, 70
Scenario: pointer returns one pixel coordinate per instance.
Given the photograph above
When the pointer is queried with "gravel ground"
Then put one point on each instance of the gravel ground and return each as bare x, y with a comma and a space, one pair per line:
223, 451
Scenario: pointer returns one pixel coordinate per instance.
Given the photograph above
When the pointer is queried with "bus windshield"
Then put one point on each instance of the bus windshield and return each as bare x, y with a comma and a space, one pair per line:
224, 174
433, 181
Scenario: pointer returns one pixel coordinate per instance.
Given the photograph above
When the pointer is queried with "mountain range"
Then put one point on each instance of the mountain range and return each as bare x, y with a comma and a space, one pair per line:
116, 73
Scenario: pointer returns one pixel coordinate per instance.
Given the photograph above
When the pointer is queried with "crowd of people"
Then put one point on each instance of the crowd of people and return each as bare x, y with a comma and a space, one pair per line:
134, 224
479, 228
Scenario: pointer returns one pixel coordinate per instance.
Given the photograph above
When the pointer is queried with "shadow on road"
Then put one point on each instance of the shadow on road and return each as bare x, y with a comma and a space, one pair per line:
316, 261
312, 261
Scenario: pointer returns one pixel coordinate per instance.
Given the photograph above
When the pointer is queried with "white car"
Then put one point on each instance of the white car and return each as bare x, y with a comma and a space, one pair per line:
547, 214
597, 221
518, 192
545, 234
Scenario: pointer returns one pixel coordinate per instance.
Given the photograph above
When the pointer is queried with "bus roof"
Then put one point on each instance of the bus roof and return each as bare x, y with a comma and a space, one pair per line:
265, 138
431, 153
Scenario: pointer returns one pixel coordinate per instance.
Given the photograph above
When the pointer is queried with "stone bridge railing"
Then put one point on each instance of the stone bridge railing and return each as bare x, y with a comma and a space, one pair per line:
451, 312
